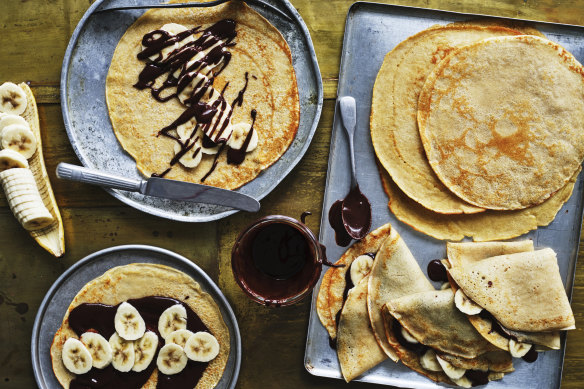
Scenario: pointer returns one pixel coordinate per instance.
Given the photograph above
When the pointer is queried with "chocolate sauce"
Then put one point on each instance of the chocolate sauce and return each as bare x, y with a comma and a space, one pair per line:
236, 156
437, 271
214, 163
239, 99
336, 221
531, 355
477, 377
100, 318
164, 173
356, 214
417, 348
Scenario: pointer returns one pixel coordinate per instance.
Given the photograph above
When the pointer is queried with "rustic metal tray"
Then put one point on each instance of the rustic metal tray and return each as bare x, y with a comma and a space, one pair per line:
57, 300
371, 31
90, 132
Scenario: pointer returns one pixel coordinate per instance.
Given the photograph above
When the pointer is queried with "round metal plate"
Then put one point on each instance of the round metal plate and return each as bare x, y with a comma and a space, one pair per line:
52, 309
86, 118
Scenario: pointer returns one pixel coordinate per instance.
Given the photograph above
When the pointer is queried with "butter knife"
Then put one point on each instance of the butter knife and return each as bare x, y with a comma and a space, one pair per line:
161, 187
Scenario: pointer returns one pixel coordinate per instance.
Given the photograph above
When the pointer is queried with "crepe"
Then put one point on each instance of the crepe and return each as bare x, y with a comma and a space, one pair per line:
523, 291
332, 288
394, 130
141, 280
357, 348
516, 153
260, 55
486, 226
395, 273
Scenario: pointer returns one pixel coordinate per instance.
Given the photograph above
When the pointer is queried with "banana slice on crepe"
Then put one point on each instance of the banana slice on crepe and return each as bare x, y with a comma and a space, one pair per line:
76, 357
202, 347
179, 337
128, 322
12, 99
172, 319
123, 354
171, 359
98, 347
239, 135
144, 351
360, 267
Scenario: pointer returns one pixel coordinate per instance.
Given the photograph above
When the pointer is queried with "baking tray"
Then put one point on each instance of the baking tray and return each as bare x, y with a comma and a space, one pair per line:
371, 31
90, 132
59, 297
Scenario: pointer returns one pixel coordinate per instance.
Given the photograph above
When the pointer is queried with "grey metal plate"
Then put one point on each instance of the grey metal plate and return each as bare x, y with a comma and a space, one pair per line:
89, 129
57, 300
371, 31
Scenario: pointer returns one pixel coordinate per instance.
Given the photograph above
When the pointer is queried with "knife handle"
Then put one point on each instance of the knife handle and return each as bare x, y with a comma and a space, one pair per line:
81, 174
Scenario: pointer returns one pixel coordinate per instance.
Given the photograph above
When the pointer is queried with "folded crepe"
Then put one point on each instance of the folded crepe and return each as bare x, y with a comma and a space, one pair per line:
357, 348
522, 291
395, 273
433, 320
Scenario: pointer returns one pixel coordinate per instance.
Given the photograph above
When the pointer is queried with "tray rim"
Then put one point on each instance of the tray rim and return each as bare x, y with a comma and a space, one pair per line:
160, 212
131, 247
324, 215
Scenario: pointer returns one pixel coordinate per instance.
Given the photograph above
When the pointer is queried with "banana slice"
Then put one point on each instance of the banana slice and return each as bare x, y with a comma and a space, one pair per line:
518, 349
123, 354
9, 119
238, 135
24, 199
466, 305
198, 85
451, 371
202, 347
12, 99
10, 159
99, 348
191, 158
19, 138
172, 319
144, 351
185, 130
360, 267
407, 336
179, 337
463, 382
429, 362
128, 322
171, 359
76, 357
445, 285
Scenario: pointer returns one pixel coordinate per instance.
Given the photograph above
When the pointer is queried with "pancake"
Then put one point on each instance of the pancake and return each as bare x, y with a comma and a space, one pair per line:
260, 67
141, 280
501, 121
395, 273
334, 292
394, 129
485, 226
357, 348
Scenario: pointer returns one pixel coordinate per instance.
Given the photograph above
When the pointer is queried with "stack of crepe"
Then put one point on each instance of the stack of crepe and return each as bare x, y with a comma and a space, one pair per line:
386, 308
478, 130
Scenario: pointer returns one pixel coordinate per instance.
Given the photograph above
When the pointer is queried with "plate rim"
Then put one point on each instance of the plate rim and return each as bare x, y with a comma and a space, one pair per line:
160, 212
131, 247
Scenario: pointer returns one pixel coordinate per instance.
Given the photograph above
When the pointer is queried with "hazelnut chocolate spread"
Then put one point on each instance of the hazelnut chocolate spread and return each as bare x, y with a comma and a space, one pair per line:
100, 318
181, 69
350, 218
437, 271
336, 221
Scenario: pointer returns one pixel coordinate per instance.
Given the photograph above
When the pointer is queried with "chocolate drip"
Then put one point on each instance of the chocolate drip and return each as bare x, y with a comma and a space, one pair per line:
336, 221
164, 173
100, 318
239, 99
437, 271
214, 163
477, 377
237, 156
531, 355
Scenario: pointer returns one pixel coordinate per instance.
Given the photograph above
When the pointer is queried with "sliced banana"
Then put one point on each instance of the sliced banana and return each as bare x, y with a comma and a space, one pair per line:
185, 130
128, 322
12, 99
463, 382
123, 355
144, 351
9, 119
24, 199
451, 371
172, 319
10, 159
466, 305
19, 138
76, 357
429, 362
407, 336
179, 337
99, 348
171, 359
199, 84
202, 347
191, 158
238, 136
518, 349
445, 285
360, 267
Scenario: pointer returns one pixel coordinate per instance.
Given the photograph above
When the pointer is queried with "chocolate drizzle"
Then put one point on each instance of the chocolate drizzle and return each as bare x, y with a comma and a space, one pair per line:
437, 271
100, 318
236, 156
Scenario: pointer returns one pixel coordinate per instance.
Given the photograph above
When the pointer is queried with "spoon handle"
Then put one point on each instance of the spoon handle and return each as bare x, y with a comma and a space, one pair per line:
349, 114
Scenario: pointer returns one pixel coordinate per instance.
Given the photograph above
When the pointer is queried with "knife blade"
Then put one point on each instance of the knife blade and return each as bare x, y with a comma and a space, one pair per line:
161, 187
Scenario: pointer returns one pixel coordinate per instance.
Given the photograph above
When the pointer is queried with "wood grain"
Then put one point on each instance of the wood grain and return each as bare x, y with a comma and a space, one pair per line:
273, 339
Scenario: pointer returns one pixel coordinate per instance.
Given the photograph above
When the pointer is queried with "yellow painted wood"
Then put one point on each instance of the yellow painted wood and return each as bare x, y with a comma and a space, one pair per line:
35, 34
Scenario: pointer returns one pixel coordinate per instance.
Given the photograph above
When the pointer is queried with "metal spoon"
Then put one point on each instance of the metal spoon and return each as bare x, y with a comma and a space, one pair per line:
356, 209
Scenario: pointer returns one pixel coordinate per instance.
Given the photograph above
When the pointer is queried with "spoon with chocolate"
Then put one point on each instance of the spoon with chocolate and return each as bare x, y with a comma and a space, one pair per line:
355, 209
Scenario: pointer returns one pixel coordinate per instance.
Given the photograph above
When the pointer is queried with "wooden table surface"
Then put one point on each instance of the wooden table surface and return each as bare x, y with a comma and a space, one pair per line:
33, 39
